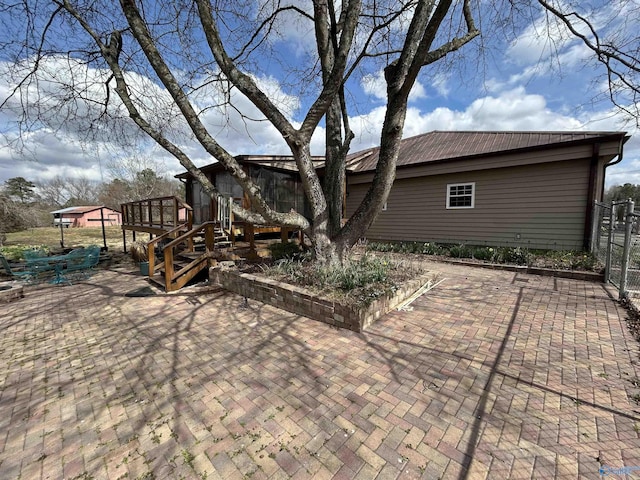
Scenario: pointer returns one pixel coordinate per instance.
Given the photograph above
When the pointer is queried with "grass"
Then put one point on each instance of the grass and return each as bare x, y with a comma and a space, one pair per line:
49, 239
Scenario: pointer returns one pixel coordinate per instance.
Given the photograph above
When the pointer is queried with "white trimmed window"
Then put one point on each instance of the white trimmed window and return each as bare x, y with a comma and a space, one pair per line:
461, 195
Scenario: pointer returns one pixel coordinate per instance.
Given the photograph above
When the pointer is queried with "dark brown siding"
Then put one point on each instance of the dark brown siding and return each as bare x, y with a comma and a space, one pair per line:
544, 205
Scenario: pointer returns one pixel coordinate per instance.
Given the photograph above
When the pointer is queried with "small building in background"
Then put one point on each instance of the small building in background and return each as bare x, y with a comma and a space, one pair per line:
87, 216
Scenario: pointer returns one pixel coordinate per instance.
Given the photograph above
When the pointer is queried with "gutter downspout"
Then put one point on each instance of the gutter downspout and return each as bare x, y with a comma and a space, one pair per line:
591, 196
620, 156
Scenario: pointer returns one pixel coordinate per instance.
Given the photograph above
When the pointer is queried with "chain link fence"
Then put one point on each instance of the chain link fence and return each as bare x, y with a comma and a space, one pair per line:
616, 243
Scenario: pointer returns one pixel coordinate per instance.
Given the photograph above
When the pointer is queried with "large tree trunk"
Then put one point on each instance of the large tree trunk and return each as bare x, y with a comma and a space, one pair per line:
334, 178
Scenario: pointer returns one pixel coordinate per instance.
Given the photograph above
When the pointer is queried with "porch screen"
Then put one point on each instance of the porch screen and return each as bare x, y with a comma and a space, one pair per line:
228, 186
200, 204
282, 191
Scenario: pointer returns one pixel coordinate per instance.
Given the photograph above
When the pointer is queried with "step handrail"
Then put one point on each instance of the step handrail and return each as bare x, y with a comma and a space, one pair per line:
169, 275
151, 253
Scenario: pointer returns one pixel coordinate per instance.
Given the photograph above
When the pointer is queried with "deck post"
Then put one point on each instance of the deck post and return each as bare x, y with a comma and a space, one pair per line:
209, 237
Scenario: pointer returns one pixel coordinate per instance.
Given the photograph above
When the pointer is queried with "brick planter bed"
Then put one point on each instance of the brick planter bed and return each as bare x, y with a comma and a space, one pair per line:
309, 304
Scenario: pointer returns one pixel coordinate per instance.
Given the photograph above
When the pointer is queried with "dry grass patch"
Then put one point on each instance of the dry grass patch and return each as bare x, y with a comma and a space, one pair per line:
360, 281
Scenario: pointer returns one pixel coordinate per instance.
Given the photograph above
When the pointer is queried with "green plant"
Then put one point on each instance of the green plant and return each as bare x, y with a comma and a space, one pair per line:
16, 253
361, 280
460, 251
583, 261
432, 249
566, 259
188, 458
484, 253
516, 255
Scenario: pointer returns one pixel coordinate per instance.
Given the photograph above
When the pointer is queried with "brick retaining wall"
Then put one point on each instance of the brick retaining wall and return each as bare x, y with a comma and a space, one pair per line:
303, 302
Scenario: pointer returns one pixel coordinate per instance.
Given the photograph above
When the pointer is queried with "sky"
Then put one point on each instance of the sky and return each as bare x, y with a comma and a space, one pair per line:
525, 82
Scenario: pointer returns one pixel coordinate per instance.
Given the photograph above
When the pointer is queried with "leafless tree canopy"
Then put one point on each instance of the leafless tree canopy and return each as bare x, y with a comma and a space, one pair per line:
618, 52
166, 65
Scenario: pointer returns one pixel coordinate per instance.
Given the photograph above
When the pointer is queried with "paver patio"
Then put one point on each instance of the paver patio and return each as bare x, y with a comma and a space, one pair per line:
490, 375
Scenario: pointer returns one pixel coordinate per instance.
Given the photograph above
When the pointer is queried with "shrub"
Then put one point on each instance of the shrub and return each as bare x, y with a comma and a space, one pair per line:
288, 250
460, 251
15, 253
583, 261
511, 255
432, 249
485, 253
138, 251
516, 255
380, 247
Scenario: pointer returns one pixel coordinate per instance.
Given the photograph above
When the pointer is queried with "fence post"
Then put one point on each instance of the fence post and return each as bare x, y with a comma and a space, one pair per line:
628, 226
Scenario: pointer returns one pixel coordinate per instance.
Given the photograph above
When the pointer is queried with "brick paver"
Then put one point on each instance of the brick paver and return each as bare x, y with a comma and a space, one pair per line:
489, 375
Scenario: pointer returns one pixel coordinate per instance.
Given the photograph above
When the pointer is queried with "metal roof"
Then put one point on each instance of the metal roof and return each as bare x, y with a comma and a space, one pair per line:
277, 162
280, 162
440, 146
84, 209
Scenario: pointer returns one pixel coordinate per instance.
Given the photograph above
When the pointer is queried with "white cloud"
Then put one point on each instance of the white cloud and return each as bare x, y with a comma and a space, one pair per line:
48, 157
60, 145
511, 110
376, 86
441, 83
242, 129
547, 36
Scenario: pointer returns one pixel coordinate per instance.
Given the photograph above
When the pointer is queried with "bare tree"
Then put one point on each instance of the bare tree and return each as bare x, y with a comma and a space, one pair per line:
10, 218
137, 176
53, 192
164, 66
619, 52
68, 191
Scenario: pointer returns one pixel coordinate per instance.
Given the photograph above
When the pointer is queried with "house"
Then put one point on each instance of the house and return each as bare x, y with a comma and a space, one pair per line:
277, 177
529, 189
87, 216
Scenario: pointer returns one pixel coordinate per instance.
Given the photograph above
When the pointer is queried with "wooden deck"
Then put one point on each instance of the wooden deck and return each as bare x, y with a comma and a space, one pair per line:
156, 216
175, 244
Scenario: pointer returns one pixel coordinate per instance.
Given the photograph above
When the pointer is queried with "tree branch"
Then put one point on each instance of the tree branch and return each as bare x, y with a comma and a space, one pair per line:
144, 39
607, 54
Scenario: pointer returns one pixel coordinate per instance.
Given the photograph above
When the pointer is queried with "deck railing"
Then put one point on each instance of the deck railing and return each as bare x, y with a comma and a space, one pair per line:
156, 214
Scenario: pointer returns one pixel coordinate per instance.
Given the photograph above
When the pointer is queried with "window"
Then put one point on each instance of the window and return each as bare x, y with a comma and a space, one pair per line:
461, 195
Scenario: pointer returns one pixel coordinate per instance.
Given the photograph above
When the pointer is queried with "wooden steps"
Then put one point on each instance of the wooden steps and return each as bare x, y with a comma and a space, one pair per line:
192, 263
175, 260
